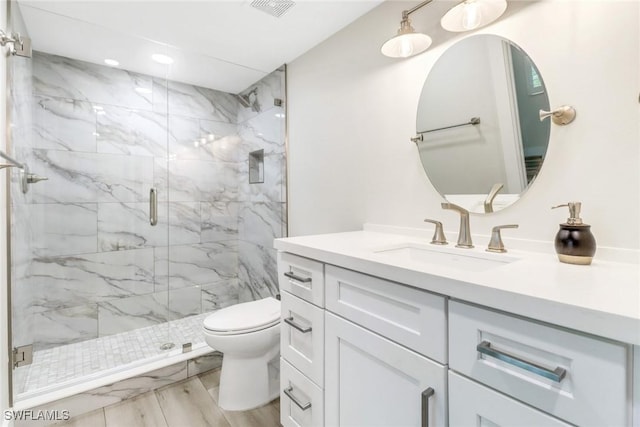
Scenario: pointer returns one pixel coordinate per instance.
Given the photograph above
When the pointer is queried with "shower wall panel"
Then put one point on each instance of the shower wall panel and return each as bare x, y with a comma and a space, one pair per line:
95, 266
262, 206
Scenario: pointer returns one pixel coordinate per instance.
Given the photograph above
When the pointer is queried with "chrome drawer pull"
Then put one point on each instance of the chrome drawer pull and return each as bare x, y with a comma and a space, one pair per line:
304, 407
425, 406
556, 375
289, 321
297, 278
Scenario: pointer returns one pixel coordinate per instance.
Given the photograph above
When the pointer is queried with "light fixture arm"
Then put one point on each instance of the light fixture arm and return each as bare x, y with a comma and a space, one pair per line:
406, 13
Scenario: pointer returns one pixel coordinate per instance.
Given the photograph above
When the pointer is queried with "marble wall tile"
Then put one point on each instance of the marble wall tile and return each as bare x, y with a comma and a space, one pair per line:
219, 221
263, 132
257, 272
273, 187
126, 225
262, 95
22, 331
64, 124
185, 302
126, 314
68, 78
65, 326
204, 363
64, 229
196, 180
90, 177
108, 395
200, 264
132, 132
69, 281
200, 139
219, 295
193, 101
226, 144
260, 222
20, 109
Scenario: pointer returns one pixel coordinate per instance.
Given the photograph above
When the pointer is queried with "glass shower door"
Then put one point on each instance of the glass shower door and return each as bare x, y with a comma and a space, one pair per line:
88, 273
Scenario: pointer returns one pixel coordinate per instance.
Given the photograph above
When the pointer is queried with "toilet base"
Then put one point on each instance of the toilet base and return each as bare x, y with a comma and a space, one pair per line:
245, 382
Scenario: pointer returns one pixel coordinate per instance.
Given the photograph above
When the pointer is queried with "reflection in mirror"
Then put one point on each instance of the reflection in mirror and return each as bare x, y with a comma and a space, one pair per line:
478, 117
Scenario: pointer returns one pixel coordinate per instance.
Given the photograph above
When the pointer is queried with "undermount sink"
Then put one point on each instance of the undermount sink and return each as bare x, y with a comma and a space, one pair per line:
449, 257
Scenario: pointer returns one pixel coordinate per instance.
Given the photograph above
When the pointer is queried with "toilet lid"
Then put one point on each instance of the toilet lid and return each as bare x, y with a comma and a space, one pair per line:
246, 316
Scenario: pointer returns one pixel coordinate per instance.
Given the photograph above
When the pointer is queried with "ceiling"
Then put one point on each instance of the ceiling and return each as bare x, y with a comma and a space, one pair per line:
224, 45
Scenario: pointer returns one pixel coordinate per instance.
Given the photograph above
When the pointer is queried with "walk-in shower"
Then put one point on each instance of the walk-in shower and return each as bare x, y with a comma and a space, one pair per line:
147, 220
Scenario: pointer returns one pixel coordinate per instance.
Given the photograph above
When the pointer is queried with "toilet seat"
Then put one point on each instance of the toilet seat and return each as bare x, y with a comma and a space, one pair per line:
244, 318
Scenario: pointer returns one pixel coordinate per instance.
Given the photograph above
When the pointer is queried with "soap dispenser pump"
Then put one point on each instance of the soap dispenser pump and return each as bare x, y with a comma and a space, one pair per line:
574, 242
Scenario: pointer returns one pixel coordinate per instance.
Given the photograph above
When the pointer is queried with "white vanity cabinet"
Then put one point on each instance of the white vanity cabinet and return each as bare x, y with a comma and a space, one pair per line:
381, 353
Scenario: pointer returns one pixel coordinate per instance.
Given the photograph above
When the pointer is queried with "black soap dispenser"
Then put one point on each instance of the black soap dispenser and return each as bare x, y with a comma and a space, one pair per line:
574, 242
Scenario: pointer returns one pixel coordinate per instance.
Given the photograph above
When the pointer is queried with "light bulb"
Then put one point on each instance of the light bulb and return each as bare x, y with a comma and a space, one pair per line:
406, 47
471, 15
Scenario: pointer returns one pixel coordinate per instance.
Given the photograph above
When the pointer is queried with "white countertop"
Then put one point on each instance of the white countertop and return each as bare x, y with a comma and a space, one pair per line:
601, 299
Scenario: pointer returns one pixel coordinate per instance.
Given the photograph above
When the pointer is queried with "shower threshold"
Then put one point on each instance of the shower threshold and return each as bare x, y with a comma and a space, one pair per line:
74, 368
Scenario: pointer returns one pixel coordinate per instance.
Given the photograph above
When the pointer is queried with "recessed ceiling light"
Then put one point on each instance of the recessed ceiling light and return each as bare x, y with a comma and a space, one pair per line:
111, 62
143, 90
162, 59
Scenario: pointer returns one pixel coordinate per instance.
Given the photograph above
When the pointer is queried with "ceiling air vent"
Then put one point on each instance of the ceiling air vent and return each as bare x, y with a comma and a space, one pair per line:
275, 8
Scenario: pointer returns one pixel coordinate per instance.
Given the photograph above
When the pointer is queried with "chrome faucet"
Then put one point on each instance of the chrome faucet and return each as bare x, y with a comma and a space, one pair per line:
464, 235
488, 202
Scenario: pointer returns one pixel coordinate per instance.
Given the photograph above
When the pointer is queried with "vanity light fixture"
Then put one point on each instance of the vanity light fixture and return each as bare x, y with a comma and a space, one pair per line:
465, 16
472, 14
407, 42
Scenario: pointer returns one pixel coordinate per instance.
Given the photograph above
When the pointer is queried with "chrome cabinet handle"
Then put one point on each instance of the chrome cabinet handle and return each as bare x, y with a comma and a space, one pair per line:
304, 406
153, 206
425, 406
289, 321
297, 278
556, 375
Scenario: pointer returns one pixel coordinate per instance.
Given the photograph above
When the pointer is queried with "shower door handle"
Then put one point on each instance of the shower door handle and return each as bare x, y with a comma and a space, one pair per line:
153, 206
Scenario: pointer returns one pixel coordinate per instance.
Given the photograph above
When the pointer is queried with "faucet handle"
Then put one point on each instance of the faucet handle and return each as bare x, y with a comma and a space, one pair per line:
495, 244
438, 235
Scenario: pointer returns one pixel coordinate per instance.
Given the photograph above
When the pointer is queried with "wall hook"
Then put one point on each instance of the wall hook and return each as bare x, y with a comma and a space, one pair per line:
561, 116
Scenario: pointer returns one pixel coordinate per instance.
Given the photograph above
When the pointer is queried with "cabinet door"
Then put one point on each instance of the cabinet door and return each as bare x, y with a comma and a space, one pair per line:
371, 381
472, 404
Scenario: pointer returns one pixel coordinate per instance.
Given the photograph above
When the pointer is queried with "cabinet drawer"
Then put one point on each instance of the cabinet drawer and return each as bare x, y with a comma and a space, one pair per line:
580, 379
301, 277
302, 336
471, 404
411, 317
301, 401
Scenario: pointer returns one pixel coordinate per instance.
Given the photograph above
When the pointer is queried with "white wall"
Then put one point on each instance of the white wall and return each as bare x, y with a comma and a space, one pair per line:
352, 111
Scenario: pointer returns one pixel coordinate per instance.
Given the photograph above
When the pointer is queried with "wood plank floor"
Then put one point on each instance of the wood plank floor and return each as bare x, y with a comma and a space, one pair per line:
189, 403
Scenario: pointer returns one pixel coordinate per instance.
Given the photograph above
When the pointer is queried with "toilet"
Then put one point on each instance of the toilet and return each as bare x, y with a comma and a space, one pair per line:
248, 335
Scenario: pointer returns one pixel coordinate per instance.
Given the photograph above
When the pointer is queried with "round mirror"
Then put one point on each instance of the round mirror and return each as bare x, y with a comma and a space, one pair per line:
482, 139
